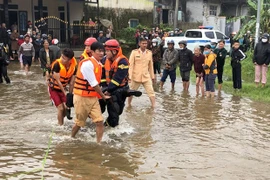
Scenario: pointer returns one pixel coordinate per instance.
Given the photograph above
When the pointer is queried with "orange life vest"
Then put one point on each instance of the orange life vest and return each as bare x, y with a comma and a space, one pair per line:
65, 75
112, 67
103, 76
85, 55
82, 86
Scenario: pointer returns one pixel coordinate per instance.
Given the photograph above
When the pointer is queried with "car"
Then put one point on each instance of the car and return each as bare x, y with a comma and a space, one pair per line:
200, 37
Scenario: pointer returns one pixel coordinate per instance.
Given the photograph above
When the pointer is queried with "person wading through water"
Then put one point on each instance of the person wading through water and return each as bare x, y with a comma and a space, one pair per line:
63, 72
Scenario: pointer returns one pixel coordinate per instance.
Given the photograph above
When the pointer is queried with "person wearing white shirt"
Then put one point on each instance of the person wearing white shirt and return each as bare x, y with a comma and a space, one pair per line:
87, 91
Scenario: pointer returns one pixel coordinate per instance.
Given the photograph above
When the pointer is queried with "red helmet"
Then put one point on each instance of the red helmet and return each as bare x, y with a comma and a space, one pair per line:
112, 45
90, 41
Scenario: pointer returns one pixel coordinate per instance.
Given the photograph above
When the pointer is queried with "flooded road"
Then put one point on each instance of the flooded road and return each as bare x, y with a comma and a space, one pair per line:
185, 137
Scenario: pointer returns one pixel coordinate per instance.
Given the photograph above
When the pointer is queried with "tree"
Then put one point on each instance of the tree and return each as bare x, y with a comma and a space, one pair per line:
249, 22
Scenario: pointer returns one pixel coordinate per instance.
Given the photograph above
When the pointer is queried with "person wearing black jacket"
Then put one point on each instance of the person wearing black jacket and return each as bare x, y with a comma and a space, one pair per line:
4, 37
186, 61
261, 60
43, 26
237, 56
221, 53
3, 64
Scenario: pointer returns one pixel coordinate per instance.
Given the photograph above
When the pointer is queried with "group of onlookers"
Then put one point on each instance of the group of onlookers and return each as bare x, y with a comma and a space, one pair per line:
209, 63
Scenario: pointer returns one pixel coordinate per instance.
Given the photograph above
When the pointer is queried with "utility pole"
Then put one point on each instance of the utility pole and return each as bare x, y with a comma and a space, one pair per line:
176, 14
258, 22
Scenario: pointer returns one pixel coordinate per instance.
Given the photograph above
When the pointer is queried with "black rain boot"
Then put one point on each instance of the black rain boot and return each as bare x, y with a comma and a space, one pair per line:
134, 93
68, 112
7, 80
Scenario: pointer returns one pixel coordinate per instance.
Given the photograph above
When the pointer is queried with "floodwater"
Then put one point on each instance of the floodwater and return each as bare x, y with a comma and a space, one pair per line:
185, 137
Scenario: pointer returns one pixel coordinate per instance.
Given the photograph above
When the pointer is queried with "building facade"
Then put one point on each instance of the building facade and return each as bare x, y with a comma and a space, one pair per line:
128, 4
207, 12
59, 14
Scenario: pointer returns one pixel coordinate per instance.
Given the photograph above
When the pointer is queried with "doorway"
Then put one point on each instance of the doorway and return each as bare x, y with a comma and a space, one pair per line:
165, 16
13, 18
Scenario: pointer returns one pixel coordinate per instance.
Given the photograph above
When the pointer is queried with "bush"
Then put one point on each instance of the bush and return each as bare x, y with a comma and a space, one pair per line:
126, 35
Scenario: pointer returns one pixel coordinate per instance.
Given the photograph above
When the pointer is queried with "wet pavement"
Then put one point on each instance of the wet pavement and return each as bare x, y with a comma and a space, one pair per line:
185, 137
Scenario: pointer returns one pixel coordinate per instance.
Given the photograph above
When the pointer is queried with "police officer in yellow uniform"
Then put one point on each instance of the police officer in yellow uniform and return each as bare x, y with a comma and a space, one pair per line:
141, 71
116, 74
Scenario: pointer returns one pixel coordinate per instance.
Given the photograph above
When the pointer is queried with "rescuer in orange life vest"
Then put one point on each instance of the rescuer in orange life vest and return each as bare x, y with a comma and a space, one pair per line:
87, 91
116, 75
63, 73
87, 51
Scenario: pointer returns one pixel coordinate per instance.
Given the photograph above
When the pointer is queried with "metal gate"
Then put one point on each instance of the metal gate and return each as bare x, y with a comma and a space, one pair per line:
78, 31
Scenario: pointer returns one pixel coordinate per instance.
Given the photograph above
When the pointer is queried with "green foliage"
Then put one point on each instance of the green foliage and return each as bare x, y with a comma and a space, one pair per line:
126, 35
165, 27
250, 21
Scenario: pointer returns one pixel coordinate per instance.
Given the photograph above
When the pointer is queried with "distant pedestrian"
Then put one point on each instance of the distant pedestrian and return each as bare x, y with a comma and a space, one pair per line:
156, 57
37, 42
28, 53
137, 37
56, 49
20, 41
198, 60
43, 26
4, 34
14, 37
3, 64
46, 59
101, 39
246, 41
109, 32
261, 60
237, 56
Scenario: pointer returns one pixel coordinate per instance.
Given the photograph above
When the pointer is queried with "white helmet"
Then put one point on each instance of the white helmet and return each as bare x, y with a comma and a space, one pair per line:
55, 41
154, 40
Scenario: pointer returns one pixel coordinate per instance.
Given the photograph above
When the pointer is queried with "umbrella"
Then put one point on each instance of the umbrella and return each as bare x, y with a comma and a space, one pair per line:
106, 22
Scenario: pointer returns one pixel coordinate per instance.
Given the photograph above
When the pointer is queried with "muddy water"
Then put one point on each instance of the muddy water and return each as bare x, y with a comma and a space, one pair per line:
185, 137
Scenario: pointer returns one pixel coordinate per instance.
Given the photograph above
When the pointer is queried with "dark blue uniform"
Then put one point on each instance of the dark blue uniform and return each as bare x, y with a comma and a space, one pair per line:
117, 90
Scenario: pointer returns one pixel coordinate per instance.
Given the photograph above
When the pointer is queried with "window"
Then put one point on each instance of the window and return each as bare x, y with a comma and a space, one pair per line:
220, 36
210, 34
194, 34
213, 10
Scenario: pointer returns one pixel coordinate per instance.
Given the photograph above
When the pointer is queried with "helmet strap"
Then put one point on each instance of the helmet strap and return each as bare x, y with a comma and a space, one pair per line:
113, 55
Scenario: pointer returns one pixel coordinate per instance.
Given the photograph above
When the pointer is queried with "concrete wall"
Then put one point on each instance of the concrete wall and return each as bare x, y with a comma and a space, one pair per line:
197, 11
128, 4
194, 11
